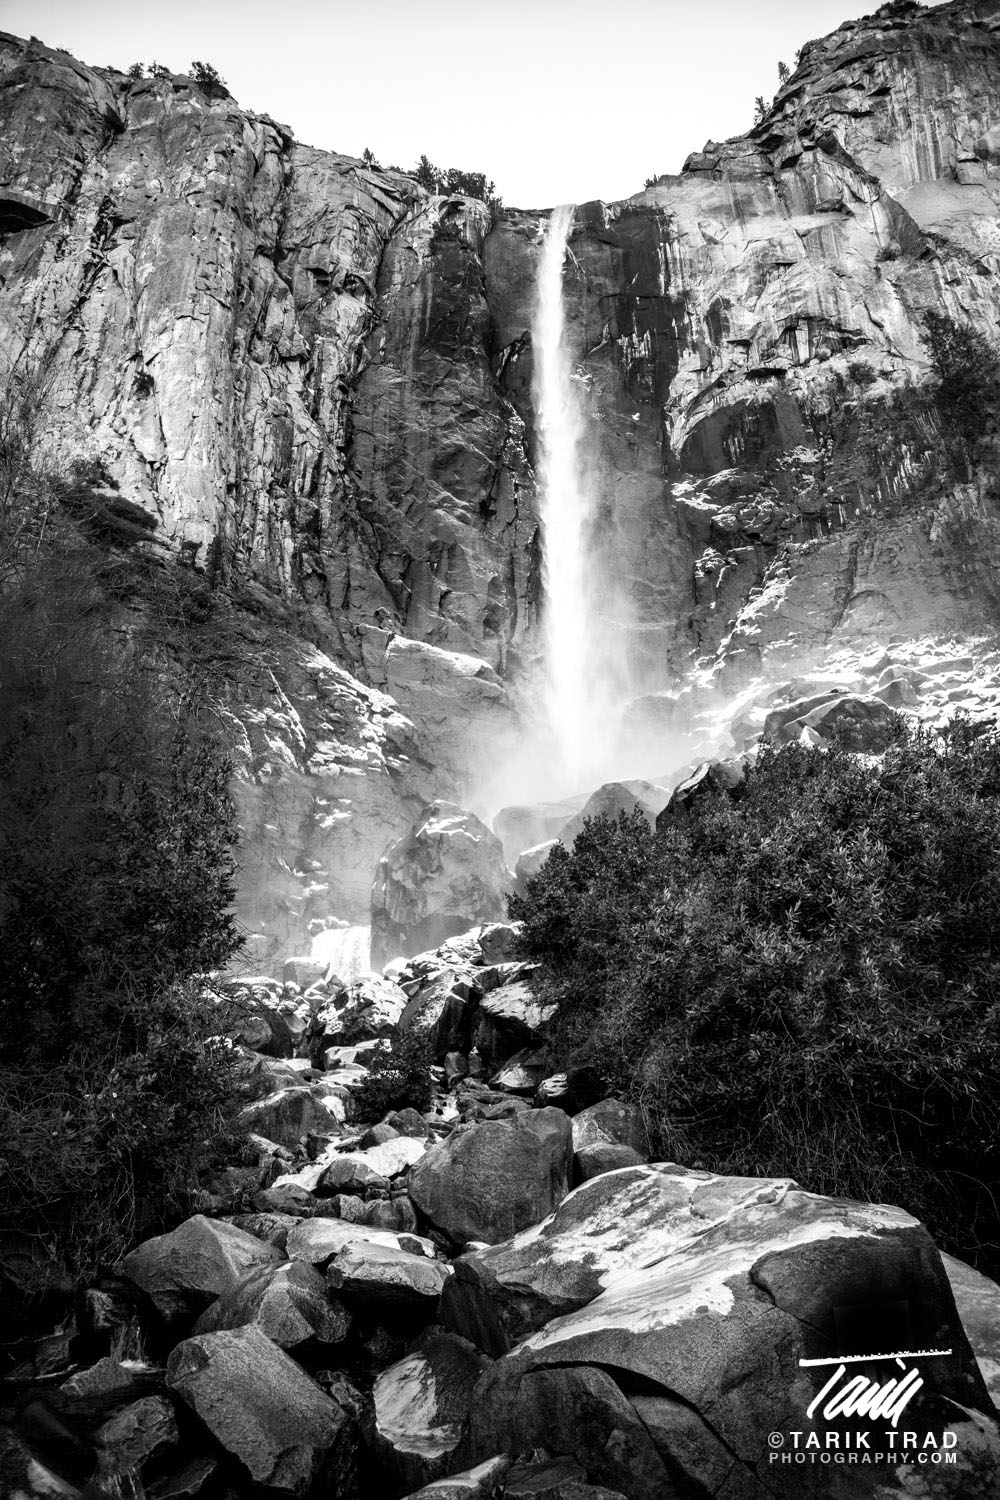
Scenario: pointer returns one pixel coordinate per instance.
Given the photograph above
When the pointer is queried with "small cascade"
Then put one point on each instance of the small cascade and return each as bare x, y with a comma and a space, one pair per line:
346, 951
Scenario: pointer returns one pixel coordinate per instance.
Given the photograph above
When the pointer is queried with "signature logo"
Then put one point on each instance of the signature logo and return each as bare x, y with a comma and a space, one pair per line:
857, 1395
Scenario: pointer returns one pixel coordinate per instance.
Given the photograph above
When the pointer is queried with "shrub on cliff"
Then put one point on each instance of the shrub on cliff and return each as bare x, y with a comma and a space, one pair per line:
967, 366
116, 879
803, 980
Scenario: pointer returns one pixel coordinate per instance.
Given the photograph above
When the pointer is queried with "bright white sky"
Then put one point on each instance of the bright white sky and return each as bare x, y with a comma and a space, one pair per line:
556, 100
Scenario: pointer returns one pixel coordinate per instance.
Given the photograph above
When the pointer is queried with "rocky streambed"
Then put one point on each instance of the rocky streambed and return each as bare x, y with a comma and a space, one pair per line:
497, 1296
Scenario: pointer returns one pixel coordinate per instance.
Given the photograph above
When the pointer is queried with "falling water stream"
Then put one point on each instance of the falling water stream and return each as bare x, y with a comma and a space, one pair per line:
345, 950
565, 510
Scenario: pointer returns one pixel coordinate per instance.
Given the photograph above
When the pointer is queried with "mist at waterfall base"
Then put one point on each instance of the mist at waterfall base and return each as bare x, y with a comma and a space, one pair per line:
579, 728
346, 951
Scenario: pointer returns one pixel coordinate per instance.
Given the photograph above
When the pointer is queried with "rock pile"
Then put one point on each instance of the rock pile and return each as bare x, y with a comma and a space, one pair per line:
425, 1305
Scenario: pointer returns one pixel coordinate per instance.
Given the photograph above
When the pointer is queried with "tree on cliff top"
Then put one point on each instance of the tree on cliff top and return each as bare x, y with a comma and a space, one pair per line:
804, 980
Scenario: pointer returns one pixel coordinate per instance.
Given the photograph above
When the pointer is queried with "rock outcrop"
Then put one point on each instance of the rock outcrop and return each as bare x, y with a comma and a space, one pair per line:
351, 515
447, 873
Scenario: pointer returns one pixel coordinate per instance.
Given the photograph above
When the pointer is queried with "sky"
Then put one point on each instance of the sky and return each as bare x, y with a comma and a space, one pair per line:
557, 102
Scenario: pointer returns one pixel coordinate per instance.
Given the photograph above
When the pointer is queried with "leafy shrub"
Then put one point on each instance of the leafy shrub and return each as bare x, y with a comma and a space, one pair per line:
803, 980
967, 367
116, 879
398, 1079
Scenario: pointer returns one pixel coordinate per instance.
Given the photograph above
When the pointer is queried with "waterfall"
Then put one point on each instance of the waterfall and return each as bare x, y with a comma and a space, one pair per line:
565, 507
346, 951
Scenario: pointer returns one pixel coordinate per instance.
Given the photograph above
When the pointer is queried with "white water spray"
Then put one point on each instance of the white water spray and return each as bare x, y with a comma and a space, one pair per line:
565, 509
345, 950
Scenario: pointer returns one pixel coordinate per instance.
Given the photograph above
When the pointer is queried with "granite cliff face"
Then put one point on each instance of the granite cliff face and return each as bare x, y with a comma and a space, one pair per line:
317, 378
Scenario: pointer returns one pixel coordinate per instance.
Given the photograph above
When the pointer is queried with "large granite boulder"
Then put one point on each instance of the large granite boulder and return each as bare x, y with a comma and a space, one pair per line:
482, 1482
711, 777
290, 1303
317, 1241
487, 1180
264, 1411
381, 1276
510, 1018
183, 1271
614, 800
365, 1010
444, 1011
866, 725
978, 1301
663, 1322
421, 1404
445, 876
610, 1122
289, 1115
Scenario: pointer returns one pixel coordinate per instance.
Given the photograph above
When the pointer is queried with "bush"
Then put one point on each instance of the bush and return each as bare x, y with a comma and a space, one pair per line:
967, 367
803, 980
116, 879
399, 1079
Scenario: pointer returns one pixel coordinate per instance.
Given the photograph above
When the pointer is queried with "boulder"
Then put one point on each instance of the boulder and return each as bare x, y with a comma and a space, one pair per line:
421, 1404
711, 778
977, 1299
25, 1476
355, 1171
530, 862
522, 1073
364, 1011
603, 1156
509, 1020
382, 1276
272, 1228
189, 1483
862, 724
610, 1122
263, 1410
553, 1479
447, 874
703, 1295
614, 800
408, 1122
250, 1016
485, 1181
290, 1303
182, 1272
483, 1482
444, 1010
578, 1411
498, 941
289, 1115
524, 826
317, 1241
139, 1434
